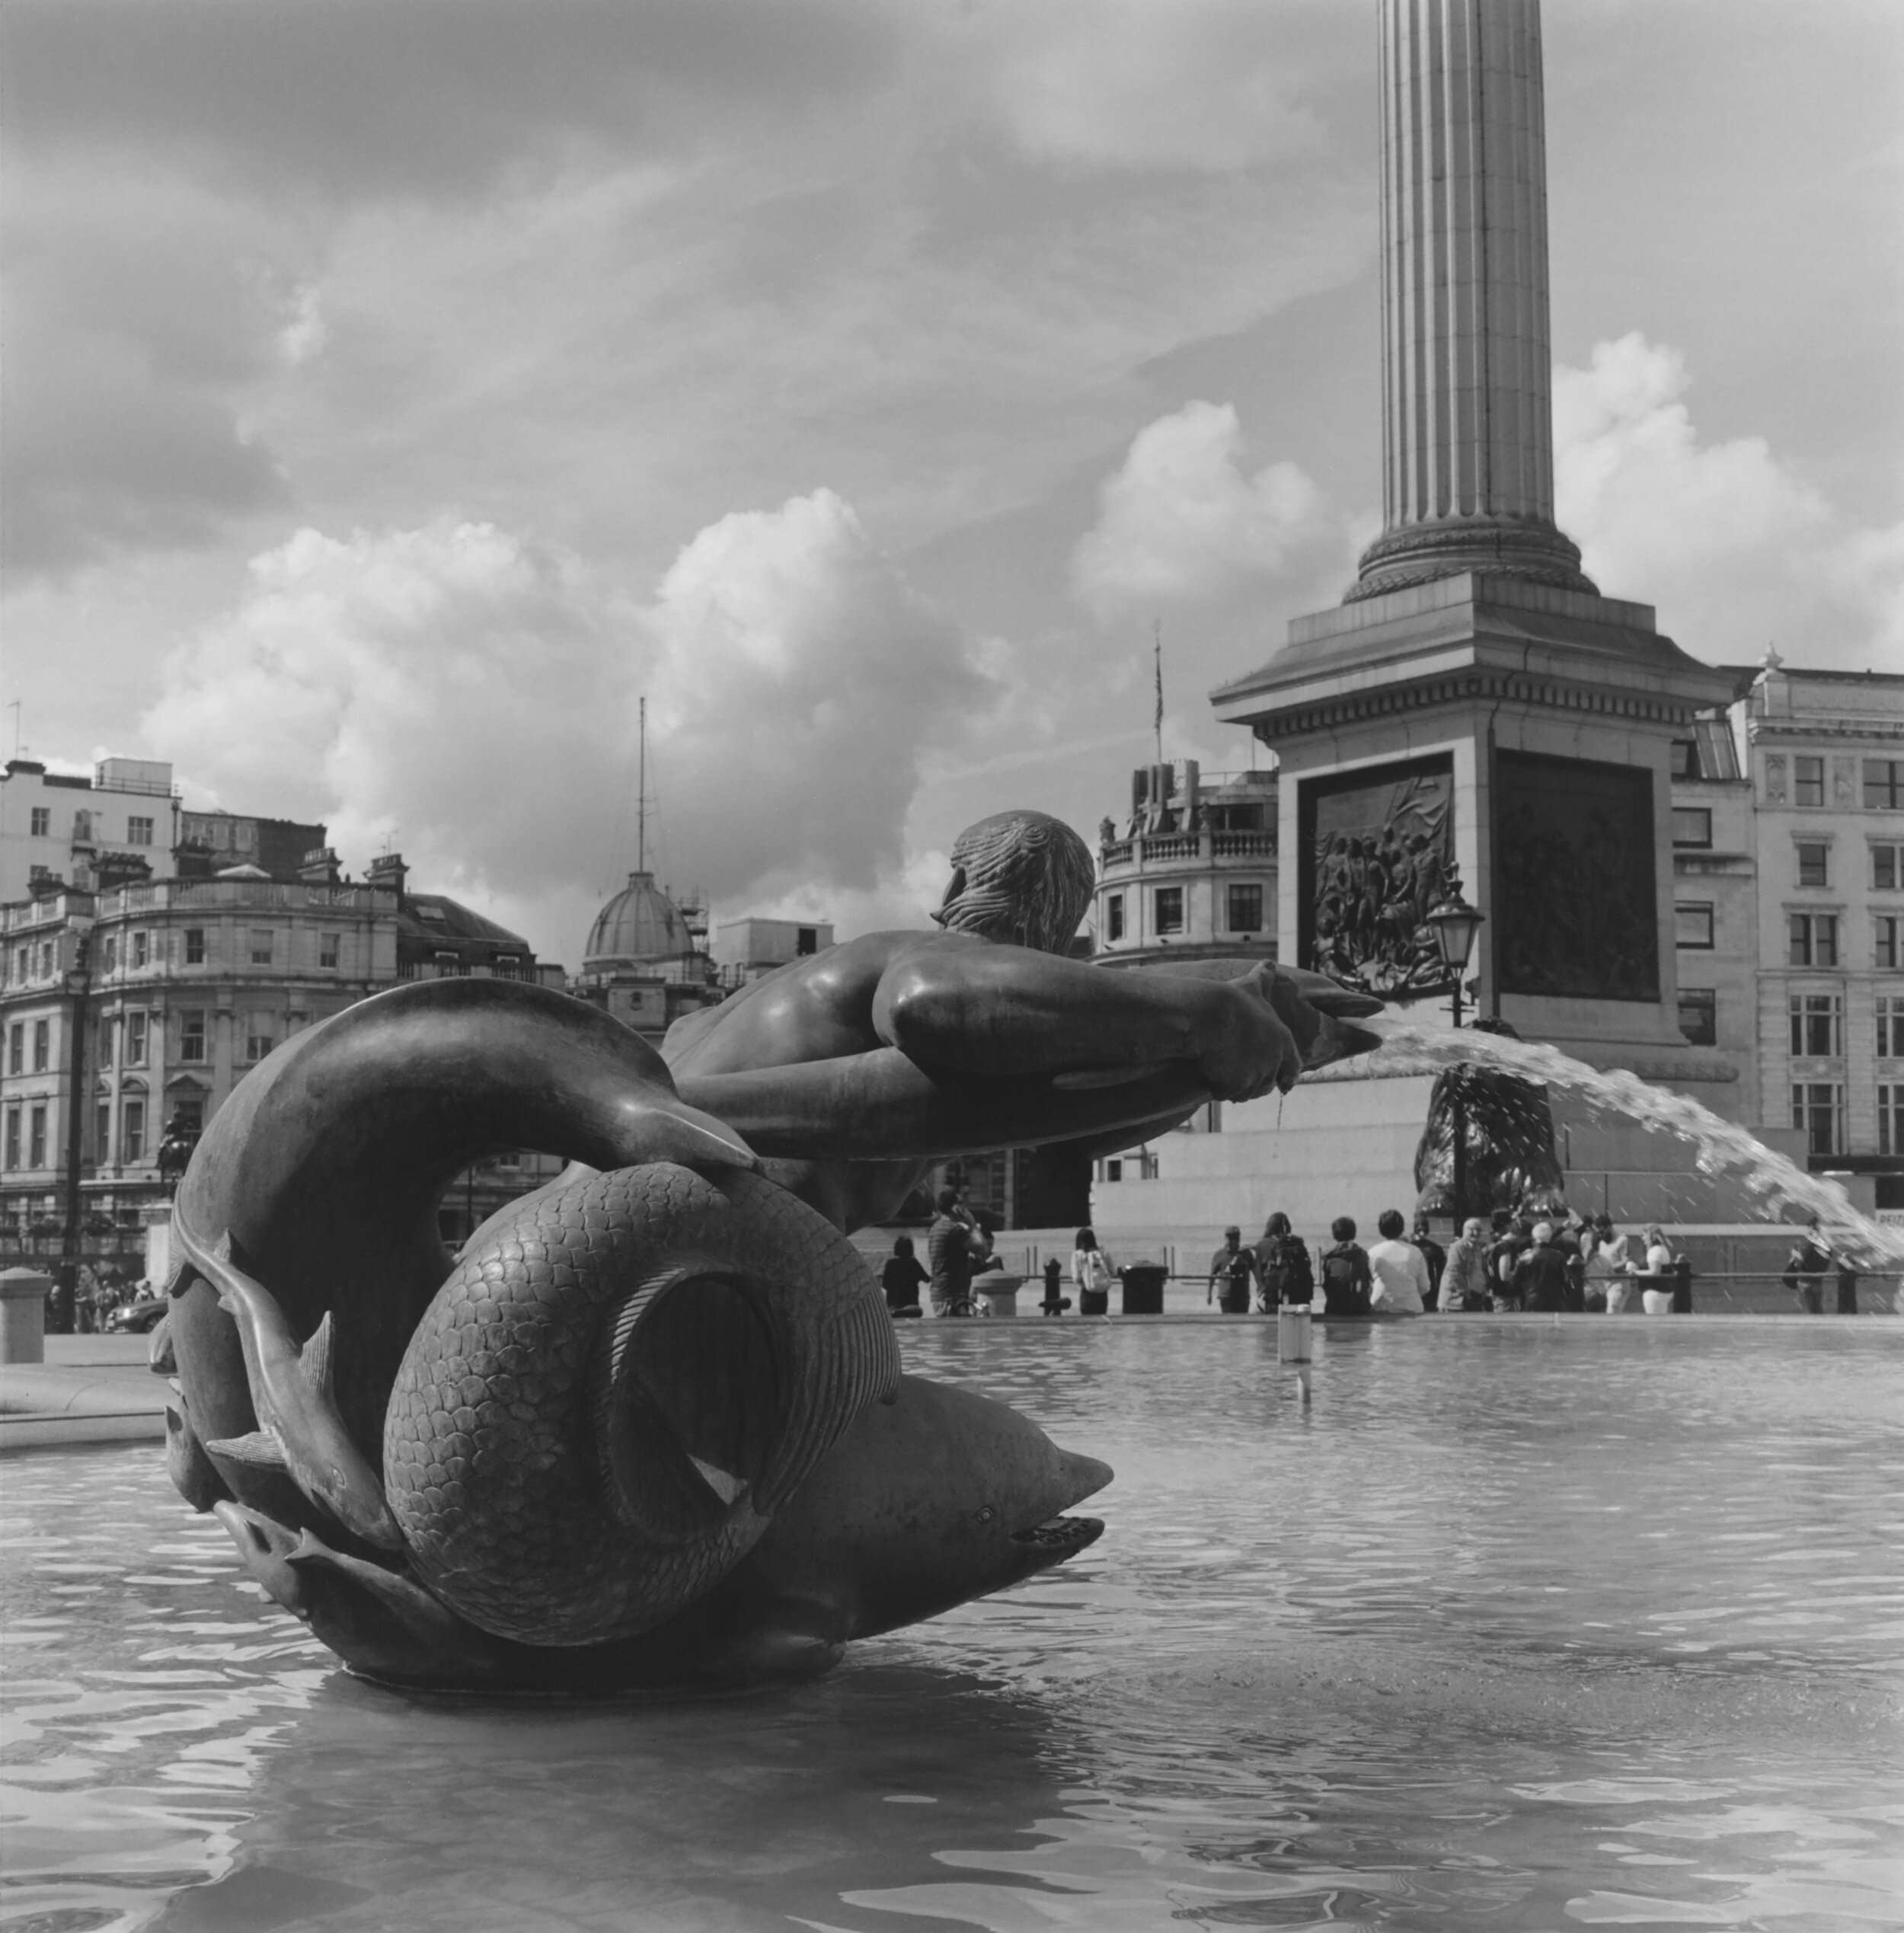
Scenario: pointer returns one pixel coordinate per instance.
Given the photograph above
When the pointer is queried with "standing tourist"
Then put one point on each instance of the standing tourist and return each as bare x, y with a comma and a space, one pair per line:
1609, 1265
1503, 1252
1466, 1283
1805, 1269
1657, 1278
1232, 1269
1282, 1265
901, 1278
948, 1252
1091, 1269
1399, 1270
1540, 1276
1436, 1257
1346, 1280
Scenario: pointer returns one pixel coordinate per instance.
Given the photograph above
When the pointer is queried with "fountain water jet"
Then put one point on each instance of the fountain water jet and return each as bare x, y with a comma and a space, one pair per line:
1722, 1148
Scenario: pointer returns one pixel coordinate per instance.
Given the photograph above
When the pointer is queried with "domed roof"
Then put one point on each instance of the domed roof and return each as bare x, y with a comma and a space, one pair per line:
640, 922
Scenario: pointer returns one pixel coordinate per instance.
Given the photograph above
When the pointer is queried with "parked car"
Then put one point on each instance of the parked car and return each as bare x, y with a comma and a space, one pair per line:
136, 1318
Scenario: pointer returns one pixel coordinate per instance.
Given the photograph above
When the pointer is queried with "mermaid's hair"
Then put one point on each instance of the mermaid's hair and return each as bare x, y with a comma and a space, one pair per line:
1023, 877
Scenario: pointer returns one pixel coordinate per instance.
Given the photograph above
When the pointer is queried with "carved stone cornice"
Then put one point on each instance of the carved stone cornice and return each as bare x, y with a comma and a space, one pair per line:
1796, 731
1468, 688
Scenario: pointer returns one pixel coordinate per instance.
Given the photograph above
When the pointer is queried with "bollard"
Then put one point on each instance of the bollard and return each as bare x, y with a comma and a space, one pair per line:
22, 1315
1292, 1341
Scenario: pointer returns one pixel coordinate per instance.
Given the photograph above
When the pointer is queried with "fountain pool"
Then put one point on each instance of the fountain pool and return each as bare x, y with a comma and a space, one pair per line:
1521, 1625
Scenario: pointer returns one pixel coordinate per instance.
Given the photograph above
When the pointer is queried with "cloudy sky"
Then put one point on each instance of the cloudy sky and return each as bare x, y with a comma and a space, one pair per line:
399, 389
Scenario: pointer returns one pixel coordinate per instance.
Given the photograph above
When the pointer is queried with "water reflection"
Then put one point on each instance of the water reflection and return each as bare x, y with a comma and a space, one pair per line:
1591, 1625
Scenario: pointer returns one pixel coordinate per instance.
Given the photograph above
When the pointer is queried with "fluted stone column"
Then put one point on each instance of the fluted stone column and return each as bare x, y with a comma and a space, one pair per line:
1467, 416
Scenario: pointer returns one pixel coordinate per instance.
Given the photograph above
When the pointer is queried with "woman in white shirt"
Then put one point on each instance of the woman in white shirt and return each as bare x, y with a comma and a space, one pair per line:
1657, 1280
1093, 1272
1399, 1268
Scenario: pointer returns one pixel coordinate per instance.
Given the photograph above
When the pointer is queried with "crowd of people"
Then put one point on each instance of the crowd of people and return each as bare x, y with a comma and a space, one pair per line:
1533, 1261
1538, 1259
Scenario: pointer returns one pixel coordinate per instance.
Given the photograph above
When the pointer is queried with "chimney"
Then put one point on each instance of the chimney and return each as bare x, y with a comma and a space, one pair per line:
319, 867
388, 871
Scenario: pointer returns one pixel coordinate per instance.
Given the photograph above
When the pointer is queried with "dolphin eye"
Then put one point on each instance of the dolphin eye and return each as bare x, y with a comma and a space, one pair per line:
986, 1513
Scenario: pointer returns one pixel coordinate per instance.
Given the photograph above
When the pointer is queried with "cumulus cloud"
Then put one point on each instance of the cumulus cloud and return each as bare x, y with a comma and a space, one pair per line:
1180, 522
471, 694
1736, 548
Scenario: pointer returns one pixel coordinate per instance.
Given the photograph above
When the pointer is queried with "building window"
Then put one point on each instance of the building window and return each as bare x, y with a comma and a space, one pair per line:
189, 1109
42, 822
1814, 940
1816, 1106
806, 941
1169, 909
1887, 868
1246, 908
1890, 1027
36, 1138
1890, 1119
111, 953
42, 1048
1692, 924
195, 946
135, 1027
138, 832
1808, 780
1692, 826
260, 946
20, 962
131, 1133
1113, 916
191, 1034
102, 1131
1884, 785
261, 1036
1890, 928
105, 1039
1699, 1015
328, 951
1686, 759
13, 1137
1817, 1025
17, 1048
1814, 863
142, 948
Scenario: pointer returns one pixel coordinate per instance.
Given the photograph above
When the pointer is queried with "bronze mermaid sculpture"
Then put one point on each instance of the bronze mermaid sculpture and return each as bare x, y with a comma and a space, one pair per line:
650, 1426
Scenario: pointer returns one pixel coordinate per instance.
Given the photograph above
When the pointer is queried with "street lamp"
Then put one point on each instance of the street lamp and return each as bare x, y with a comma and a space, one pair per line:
1455, 924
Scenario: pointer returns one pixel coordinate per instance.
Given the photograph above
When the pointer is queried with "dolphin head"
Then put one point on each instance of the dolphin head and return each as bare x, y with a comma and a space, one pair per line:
938, 1497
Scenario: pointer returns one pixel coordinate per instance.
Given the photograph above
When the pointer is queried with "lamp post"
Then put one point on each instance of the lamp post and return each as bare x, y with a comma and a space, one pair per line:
1455, 924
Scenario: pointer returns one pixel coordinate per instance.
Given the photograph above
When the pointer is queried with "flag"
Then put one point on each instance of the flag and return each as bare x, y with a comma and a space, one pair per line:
1158, 655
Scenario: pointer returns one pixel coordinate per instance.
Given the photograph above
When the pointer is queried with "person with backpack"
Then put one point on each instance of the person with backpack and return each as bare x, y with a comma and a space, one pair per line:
1347, 1281
1282, 1266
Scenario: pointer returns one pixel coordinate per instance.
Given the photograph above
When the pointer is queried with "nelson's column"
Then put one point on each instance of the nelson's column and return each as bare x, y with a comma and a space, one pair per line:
1475, 714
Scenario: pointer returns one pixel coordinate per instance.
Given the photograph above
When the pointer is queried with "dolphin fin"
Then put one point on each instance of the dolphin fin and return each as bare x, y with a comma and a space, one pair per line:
261, 1449
675, 1132
317, 1361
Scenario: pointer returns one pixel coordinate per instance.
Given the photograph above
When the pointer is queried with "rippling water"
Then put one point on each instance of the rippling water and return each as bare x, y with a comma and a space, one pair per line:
1518, 1626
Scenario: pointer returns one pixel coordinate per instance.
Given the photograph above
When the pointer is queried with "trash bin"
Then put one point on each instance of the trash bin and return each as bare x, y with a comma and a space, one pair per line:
1144, 1288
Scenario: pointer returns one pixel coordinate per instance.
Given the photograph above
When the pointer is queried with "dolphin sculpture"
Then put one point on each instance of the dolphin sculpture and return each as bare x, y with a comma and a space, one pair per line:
547, 1462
